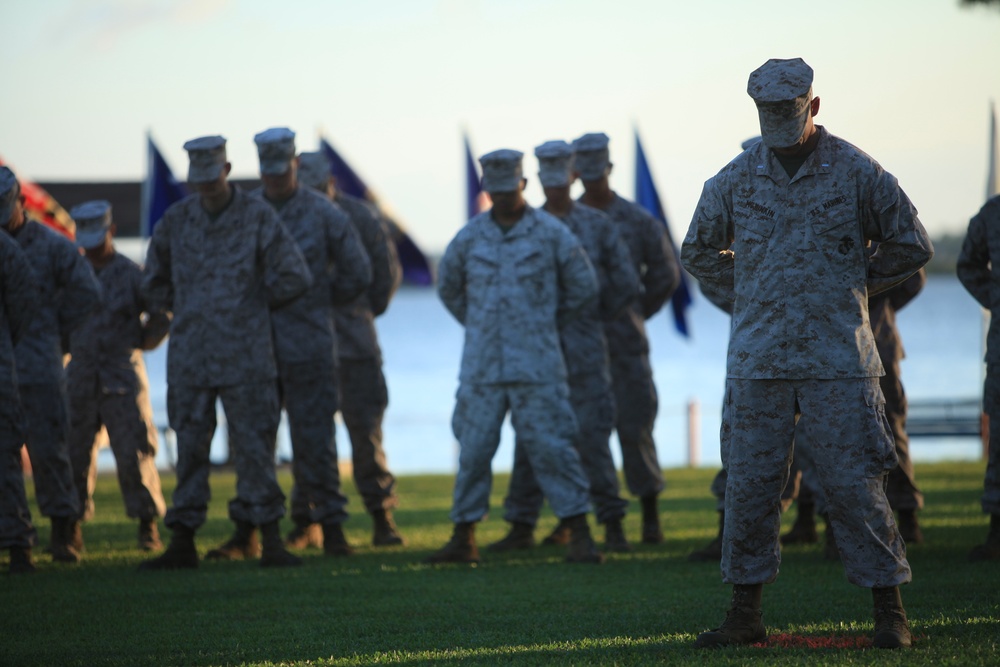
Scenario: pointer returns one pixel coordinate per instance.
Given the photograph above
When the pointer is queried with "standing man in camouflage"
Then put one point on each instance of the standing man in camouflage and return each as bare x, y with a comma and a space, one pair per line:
219, 260
511, 276
107, 381
979, 271
68, 293
305, 339
585, 350
18, 305
363, 393
785, 227
631, 373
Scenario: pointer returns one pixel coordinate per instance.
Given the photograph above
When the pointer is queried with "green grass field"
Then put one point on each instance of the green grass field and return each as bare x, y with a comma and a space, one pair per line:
384, 607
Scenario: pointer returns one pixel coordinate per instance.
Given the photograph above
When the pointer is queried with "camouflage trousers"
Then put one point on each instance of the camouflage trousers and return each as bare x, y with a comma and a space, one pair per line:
252, 415
16, 529
364, 398
844, 423
544, 423
637, 404
593, 404
310, 400
991, 405
47, 429
128, 418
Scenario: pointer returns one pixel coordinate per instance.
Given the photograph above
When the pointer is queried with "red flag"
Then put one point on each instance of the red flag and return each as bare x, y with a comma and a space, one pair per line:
40, 205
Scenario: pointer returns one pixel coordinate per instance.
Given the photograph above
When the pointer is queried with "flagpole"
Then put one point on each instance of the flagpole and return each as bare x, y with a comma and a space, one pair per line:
147, 189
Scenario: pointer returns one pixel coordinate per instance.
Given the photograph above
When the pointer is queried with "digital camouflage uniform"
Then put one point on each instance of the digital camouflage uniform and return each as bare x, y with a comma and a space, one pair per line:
801, 352
979, 272
17, 307
68, 294
585, 351
107, 383
509, 290
220, 277
364, 396
631, 373
305, 341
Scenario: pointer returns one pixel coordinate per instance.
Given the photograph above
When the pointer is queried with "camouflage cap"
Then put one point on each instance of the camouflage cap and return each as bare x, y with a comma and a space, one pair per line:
555, 164
276, 150
93, 219
592, 155
502, 171
782, 90
314, 170
207, 157
10, 190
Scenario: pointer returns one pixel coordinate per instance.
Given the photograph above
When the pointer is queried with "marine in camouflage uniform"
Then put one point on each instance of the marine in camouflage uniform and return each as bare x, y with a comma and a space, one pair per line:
18, 304
363, 393
785, 227
305, 333
585, 351
635, 393
68, 293
106, 378
510, 277
979, 271
219, 260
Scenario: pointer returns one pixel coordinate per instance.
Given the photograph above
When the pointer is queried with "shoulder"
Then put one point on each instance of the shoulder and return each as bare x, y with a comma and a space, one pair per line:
990, 210
842, 153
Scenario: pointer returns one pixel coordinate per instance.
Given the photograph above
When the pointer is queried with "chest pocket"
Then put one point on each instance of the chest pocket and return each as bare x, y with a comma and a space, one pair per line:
839, 234
482, 269
532, 275
755, 226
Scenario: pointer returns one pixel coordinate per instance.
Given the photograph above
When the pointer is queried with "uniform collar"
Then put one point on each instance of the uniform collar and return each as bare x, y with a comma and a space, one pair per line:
766, 164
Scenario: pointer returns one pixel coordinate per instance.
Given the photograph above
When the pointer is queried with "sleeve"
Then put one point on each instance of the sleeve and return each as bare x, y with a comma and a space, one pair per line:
622, 281
157, 285
451, 280
387, 273
353, 270
20, 294
661, 275
705, 252
906, 291
973, 266
891, 219
577, 280
286, 275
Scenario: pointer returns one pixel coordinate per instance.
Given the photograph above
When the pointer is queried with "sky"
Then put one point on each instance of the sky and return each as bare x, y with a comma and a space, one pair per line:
393, 84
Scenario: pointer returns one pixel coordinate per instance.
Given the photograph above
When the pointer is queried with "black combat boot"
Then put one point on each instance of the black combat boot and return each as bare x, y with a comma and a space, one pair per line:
243, 544
711, 552
909, 527
803, 531
149, 535
614, 537
334, 541
559, 536
384, 531
990, 550
891, 628
461, 548
273, 552
305, 534
521, 536
20, 561
62, 534
582, 548
651, 531
744, 622
180, 553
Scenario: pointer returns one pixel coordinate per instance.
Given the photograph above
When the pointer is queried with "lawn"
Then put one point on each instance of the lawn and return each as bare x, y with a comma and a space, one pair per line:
384, 607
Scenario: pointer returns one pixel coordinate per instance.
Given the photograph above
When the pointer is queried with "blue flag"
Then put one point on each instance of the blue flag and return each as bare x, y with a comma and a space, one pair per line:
159, 190
474, 197
416, 269
647, 197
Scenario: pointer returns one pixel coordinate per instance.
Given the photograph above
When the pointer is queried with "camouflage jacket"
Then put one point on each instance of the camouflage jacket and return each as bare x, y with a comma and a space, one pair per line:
356, 320
68, 293
19, 305
794, 255
655, 263
882, 310
979, 269
219, 278
511, 291
584, 346
305, 332
106, 350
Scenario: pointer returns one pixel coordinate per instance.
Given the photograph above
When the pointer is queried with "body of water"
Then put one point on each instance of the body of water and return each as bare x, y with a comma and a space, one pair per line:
422, 343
